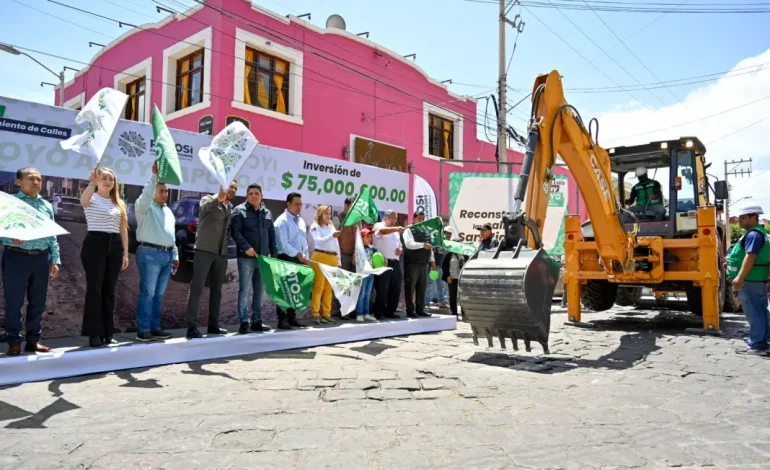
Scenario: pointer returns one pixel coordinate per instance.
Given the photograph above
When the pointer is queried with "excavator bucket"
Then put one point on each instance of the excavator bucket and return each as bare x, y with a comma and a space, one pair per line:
508, 294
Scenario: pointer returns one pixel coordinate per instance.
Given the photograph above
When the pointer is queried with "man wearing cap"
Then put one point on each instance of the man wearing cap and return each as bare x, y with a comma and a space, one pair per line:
647, 194
747, 266
388, 242
488, 242
418, 259
438, 289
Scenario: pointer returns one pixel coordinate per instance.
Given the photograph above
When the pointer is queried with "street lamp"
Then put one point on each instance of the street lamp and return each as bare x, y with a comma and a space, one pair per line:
739, 200
13, 51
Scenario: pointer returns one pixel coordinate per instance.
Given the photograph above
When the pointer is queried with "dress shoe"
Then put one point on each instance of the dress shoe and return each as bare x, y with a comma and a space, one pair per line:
107, 340
391, 316
193, 333
215, 330
95, 342
284, 325
34, 346
294, 323
244, 328
14, 350
411, 315
423, 314
259, 327
327, 320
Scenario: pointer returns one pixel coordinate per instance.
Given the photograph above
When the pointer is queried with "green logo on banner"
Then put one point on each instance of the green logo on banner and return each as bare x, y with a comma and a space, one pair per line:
2, 111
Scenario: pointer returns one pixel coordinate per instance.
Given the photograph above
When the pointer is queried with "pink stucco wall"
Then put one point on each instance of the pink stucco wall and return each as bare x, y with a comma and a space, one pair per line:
336, 100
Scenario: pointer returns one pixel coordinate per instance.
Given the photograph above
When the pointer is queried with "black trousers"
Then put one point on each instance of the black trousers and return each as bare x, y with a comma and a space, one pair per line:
388, 290
453, 296
24, 276
289, 314
102, 258
415, 282
214, 267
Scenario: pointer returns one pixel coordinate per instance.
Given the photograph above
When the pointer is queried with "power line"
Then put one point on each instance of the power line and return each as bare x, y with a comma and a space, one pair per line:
643, 65
754, 8
740, 130
691, 122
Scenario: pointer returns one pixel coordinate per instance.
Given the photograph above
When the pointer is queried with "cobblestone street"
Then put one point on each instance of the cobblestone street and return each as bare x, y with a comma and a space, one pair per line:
635, 392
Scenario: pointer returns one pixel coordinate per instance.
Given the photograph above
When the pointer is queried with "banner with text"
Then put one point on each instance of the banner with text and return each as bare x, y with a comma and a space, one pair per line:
479, 198
30, 133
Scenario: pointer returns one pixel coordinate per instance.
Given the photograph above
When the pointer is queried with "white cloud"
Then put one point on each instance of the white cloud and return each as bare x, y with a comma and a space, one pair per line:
620, 126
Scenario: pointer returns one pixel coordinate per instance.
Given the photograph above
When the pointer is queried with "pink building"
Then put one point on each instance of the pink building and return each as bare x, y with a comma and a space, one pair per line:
327, 91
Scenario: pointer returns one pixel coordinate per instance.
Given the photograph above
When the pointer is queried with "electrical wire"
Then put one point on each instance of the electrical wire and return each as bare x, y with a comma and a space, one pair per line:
740, 130
751, 8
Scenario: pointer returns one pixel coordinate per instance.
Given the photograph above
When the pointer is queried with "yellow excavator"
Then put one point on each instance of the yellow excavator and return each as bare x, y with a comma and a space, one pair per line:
679, 246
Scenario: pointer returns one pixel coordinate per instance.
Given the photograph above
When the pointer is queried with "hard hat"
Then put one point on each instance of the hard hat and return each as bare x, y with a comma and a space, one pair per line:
749, 209
449, 229
641, 170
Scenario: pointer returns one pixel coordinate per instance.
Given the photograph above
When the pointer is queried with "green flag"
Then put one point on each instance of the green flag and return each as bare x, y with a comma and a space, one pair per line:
465, 249
435, 229
363, 208
169, 169
287, 284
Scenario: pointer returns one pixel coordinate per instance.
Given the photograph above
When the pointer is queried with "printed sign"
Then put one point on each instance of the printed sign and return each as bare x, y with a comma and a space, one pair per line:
131, 153
471, 206
206, 125
31, 128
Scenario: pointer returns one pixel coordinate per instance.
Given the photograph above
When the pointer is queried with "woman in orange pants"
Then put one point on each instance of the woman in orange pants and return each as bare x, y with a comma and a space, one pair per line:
327, 249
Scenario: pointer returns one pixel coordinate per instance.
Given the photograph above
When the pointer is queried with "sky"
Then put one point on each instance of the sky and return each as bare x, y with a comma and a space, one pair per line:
724, 59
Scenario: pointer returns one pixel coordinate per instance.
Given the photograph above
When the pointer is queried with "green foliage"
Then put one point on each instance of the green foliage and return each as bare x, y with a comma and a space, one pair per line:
735, 233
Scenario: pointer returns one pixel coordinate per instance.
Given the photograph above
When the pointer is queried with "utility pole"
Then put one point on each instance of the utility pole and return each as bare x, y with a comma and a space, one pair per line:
502, 125
734, 172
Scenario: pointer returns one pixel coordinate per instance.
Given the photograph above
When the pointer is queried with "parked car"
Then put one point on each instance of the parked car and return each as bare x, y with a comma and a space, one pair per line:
186, 213
68, 208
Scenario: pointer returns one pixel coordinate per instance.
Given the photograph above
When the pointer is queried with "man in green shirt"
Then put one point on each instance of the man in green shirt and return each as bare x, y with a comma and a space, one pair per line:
27, 267
647, 195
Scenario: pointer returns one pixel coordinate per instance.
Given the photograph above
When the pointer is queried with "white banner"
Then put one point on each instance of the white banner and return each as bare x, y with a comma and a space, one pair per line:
346, 286
471, 206
30, 133
424, 197
362, 261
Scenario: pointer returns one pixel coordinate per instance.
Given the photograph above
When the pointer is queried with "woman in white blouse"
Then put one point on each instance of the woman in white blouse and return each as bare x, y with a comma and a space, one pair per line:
327, 251
104, 254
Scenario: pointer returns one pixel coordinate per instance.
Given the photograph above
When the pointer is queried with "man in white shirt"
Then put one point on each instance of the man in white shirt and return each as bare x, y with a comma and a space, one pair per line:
419, 254
291, 238
387, 240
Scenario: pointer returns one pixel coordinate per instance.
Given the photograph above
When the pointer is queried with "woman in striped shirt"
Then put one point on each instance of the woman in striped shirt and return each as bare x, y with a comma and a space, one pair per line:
104, 253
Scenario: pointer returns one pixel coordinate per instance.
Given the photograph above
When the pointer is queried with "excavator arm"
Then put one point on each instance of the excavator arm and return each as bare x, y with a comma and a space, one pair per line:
556, 128
508, 293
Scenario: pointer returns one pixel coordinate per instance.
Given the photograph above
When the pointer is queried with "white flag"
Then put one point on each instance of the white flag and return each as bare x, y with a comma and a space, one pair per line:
101, 113
362, 262
424, 198
21, 221
228, 152
346, 285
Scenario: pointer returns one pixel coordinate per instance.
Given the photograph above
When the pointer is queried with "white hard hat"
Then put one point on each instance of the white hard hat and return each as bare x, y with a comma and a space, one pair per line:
750, 209
448, 229
641, 170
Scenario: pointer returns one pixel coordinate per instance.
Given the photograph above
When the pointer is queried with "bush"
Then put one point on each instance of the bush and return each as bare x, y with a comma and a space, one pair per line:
735, 233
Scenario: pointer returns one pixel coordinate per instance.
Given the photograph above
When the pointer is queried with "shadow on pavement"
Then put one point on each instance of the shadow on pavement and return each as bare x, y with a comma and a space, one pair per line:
37, 420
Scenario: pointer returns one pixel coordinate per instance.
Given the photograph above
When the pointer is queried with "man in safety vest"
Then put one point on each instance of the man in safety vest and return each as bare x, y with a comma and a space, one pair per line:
648, 196
747, 266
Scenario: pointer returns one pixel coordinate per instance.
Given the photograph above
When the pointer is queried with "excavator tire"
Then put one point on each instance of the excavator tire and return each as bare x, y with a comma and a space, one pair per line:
694, 299
598, 295
628, 296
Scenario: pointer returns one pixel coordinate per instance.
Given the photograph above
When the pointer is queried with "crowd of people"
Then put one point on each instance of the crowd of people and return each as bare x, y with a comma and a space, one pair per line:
27, 266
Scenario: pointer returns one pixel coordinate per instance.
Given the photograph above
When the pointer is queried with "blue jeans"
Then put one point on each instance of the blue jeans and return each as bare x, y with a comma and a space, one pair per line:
753, 298
365, 297
249, 279
154, 272
437, 289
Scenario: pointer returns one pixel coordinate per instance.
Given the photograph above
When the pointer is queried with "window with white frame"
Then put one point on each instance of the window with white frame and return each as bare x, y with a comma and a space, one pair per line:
136, 82
268, 78
442, 134
187, 76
